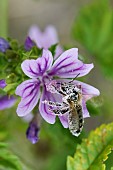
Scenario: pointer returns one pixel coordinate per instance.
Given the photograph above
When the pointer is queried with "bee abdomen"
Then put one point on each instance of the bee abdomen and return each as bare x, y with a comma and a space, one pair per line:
76, 121
80, 115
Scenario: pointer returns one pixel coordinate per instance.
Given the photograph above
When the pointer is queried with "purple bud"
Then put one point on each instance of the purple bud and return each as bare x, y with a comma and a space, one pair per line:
4, 45
6, 102
2, 83
32, 132
28, 44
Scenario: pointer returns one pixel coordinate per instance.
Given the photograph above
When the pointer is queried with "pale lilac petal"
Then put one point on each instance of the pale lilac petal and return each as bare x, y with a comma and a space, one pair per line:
7, 102
85, 111
83, 70
28, 117
68, 70
43, 39
36, 68
44, 108
68, 65
29, 90
64, 120
46, 60
64, 61
31, 68
58, 52
50, 37
67, 56
2, 83
36, 35
88, 91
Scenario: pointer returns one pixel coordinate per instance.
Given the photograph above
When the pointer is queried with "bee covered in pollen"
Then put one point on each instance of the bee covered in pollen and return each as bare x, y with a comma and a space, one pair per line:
71, 104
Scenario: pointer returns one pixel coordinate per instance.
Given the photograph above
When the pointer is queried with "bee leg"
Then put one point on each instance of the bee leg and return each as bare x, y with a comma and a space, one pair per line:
60, 91
57, 112
60, 111
53, 104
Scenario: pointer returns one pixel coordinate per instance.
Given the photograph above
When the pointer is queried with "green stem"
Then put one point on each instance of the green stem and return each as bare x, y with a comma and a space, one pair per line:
3, 18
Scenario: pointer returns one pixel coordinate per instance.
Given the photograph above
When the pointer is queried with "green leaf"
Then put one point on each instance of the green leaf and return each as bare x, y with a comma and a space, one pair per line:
111, 168
10, 88
53, 49
93, 29
93, 151
8, 160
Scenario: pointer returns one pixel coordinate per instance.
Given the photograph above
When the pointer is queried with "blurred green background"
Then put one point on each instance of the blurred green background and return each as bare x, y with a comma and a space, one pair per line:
86, 24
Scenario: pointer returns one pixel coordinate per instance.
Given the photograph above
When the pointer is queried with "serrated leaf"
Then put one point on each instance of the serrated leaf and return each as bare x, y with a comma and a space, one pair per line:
93, 151
93, 29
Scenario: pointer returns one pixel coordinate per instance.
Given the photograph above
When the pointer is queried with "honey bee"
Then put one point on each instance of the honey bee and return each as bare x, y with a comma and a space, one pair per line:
71, 104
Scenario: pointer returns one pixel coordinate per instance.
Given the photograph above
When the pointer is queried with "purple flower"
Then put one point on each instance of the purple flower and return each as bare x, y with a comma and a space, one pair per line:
5, 101
32, 132
42, 72
28, 44
2, 83
4, 45
44, 39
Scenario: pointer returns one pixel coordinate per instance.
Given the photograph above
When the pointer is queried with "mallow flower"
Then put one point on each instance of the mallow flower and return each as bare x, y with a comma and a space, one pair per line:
4, 45
5, 100
43, 71
43, 39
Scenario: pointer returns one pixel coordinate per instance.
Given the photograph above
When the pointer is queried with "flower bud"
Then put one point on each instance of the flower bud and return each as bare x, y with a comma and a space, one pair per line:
28, 44
2, 83
4, 45
32, 131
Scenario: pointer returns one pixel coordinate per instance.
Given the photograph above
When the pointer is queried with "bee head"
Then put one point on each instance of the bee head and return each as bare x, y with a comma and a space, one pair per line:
73, 97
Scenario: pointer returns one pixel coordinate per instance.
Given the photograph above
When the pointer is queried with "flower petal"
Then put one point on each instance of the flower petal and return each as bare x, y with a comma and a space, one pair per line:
4, 45
32, 132
31, 68
36, 68
67, 57
64, 120
82, 71
50, 36
58, 52
48, 115
28, 117
46, 60
28, 44
64, 62
30, 92
35, 35
7, 102
68, 65
43, 39
2, 83
85, 111
88, 91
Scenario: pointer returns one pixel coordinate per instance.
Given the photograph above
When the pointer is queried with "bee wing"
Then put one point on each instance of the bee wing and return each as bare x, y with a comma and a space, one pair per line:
76, 120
